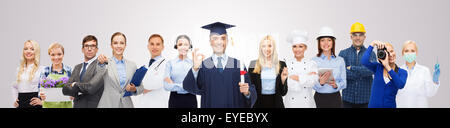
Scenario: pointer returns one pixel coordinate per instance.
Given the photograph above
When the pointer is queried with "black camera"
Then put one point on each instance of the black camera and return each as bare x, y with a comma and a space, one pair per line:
382, 53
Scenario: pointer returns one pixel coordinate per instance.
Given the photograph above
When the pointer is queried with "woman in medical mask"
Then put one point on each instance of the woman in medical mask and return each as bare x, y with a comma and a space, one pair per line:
419, 85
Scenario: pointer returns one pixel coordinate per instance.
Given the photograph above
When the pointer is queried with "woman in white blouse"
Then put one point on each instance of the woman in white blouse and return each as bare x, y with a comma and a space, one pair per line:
419, 85
302, 74
26, 85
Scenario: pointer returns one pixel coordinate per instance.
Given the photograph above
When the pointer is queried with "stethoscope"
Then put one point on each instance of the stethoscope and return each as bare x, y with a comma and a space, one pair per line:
157, 67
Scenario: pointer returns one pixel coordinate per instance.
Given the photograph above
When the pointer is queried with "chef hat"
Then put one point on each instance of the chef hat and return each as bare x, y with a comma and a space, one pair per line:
298, 37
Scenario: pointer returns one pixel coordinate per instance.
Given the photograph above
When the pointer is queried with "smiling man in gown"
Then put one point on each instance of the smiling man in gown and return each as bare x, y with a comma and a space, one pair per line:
217, 78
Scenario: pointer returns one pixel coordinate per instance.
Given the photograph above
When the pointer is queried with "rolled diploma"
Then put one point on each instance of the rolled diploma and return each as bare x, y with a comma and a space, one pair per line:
242, 69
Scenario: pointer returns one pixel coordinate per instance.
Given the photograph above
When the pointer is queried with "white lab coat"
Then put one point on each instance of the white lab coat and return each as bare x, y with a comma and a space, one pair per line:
300, 93
418, 88
153, 80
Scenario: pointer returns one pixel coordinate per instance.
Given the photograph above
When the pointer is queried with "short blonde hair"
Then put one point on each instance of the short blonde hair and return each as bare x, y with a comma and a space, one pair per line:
54, 46
407, 43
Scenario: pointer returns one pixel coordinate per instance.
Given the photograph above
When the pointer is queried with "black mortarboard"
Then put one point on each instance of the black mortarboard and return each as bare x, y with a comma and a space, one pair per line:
218, 27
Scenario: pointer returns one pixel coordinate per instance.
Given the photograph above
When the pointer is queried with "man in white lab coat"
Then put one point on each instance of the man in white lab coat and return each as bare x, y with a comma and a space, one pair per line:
154, 95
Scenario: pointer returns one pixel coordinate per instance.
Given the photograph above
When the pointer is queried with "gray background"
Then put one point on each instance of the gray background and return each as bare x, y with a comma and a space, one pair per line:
67, 22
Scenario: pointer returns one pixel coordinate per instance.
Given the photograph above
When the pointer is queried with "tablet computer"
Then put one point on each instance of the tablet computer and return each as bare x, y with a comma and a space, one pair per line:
323, 70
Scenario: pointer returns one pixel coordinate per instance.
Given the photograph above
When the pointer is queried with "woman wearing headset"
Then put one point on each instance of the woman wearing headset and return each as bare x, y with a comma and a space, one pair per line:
176, 70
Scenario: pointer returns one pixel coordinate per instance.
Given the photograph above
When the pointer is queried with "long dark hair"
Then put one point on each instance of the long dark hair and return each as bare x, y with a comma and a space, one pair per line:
333, 39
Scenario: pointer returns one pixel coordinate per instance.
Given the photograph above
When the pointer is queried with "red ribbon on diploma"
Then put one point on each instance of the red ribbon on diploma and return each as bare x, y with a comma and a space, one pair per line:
243, 72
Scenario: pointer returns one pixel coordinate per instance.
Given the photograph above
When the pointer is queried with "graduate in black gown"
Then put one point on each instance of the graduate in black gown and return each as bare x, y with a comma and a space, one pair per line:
217, 78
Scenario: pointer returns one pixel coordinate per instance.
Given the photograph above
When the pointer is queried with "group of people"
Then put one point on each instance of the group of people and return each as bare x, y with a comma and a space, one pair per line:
365, 79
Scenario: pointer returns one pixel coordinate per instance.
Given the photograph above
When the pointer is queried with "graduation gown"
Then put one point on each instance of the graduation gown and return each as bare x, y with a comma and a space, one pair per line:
220, 90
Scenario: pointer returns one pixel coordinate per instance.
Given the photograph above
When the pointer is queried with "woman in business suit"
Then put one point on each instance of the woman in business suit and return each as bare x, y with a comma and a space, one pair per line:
269, 76
118, 76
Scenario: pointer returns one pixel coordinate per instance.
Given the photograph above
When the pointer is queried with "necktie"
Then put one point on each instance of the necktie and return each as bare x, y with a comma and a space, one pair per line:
219, 64
151, 62
82, 71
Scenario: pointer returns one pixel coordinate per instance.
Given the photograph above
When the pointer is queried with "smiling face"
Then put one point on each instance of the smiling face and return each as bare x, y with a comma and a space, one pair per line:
267, 48
56, 56
299, 50
155, 46
118, 45
358, 39
218, 43
183, 46
326, 44
392, 55
28, 51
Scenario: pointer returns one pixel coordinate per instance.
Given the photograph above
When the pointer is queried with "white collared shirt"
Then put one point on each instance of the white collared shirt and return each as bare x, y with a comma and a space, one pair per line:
157, 58
26, 85
157, 64
89, 63
224, 59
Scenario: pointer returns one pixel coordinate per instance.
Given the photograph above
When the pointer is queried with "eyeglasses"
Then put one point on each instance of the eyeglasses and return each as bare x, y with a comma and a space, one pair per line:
90, 46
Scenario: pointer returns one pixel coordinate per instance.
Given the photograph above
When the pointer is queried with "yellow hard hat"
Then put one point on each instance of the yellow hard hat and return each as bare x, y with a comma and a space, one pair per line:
357, 27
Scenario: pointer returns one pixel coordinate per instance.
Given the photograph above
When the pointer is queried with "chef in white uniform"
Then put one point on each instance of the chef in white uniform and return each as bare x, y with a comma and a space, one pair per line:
419, 85
154, 95
302, 73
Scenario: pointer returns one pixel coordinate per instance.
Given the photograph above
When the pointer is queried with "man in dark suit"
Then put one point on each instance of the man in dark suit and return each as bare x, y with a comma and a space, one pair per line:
86, 82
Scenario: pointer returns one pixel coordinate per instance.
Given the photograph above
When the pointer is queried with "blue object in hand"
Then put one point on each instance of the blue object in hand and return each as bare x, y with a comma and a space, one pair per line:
437, 73
137, 78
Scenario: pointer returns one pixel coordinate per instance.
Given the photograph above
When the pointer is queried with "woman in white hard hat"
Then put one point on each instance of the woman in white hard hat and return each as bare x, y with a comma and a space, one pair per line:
331, 71
419, 84
302, 73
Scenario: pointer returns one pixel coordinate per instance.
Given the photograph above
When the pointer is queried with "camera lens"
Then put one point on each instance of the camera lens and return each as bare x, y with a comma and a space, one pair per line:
381, 53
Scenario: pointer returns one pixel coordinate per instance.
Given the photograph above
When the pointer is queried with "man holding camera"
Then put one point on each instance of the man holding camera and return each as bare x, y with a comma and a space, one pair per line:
359, 78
